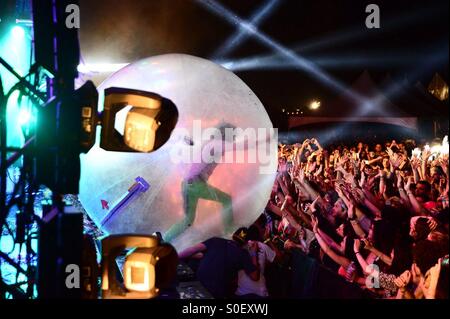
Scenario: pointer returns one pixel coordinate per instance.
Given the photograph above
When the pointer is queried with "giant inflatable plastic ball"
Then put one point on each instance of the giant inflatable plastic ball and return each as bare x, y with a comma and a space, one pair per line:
208, 94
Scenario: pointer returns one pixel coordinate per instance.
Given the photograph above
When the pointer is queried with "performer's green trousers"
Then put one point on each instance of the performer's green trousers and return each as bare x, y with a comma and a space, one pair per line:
192, 191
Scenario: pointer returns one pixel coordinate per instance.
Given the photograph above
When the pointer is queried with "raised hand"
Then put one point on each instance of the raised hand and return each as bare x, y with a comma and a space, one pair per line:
390, 152
408, 184
416, 275
313, 206
358, 195
415, 162
429, 283
399, 179
393, 143
315, 224
367, 244
443, 163
403, 280
356, 245
396, 160
338, 190
306, 142
432, 224
426, 153
351, 208
301, 175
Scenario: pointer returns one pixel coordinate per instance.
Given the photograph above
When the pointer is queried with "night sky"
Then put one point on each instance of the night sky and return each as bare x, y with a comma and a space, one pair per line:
412, 34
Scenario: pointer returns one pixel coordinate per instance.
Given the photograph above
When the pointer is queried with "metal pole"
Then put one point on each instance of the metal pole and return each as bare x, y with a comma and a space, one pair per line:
2, 169
23, 81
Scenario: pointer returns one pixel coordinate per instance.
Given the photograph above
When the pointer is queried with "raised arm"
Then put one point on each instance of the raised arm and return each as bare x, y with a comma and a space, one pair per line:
404, 197
309, 190
316, 142
384, 258
289, 212
417, 208
362, 262
382, 186
340, 260
415, 166
302, 148
425, 156
283, 186
329, 241
354, 221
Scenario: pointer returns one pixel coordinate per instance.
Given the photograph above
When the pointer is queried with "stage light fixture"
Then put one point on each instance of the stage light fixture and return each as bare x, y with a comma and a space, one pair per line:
148, 124
24, 117
18, 32
147, 127
139, 270
149, 267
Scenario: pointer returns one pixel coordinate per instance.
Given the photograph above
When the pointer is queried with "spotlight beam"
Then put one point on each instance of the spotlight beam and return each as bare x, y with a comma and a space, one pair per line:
327, 61
345, 36
238, 37
300, 62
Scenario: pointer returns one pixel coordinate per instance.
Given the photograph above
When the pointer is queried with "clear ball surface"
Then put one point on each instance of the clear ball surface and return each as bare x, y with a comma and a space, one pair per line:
201, 90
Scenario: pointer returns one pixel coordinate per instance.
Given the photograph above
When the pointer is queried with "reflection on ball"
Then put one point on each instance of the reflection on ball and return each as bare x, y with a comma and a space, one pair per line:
184, 205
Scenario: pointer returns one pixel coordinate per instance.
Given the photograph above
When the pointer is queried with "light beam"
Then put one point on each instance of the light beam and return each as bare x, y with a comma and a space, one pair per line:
300, 62
237, 38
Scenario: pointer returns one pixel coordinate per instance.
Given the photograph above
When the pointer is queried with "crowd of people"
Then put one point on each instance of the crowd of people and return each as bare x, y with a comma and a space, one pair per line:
376, 215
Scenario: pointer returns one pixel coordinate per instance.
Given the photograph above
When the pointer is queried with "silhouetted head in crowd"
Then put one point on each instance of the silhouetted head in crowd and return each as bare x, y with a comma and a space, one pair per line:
240, 236
345, 230
339, 210
382, 234
419, 229
378, 148
254, 234
386, 163
423, 190
436, 173
402, 255
427, 253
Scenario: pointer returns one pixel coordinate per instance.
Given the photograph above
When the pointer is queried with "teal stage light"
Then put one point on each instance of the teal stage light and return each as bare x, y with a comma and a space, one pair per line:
18, 32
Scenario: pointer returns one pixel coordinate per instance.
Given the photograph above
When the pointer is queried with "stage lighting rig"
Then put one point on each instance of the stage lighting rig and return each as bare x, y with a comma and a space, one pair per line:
148, 268
148, 125
66, 124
